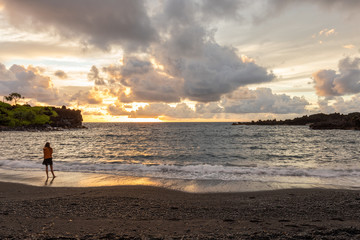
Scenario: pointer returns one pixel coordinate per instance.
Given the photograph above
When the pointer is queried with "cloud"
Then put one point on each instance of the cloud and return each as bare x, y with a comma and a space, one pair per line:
31, 49
242, 101
190, 54
61, 74
195, 66
83, 97
187, 64
156, 110
208, 108
94, 76
339, 104
327, 32
225, 9
273, 8
116, 110
135, 66
219, 71
30, 83
349, 46
146, 83
216, 71
92, 113
207, 69
262, 100
349, 5
180, 61
347, 81
99, 23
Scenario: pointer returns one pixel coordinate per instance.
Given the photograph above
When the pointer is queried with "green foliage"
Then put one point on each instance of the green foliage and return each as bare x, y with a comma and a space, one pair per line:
23, 115
4, 120
4, 105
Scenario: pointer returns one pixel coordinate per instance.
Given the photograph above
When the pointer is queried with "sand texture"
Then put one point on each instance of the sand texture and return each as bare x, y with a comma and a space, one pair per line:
136, 212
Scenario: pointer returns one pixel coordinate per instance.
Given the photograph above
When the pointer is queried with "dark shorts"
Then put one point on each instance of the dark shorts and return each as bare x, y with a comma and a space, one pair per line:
47, 161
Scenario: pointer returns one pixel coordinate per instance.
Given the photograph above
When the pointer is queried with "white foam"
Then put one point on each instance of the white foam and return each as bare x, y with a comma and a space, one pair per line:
200, 172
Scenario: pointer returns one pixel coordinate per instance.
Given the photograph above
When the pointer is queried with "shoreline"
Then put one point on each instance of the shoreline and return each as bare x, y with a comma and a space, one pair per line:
82, 179
147, 212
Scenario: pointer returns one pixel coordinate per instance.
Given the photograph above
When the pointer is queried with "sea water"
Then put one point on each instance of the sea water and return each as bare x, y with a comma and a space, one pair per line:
194, 157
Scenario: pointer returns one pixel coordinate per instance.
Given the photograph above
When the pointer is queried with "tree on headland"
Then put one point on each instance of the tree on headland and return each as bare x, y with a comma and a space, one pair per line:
13, 96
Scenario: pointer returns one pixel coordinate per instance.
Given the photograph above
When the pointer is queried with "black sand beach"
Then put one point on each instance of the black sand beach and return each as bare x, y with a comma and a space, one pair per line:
137, 212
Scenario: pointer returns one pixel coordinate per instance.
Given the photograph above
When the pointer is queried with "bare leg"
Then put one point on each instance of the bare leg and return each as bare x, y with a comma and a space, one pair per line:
47, 171
52, 171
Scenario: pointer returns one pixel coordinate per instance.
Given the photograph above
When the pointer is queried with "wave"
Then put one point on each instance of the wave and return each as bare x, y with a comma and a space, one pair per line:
190, 172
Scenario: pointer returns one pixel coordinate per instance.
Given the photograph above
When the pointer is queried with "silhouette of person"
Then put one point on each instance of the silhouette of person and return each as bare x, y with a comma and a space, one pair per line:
48, 159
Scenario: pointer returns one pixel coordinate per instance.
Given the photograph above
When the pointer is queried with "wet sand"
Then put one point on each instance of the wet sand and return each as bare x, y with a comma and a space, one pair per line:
145, 212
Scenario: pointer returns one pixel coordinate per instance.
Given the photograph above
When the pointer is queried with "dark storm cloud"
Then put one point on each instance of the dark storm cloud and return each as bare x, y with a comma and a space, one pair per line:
29, 82
195, 66
134, 66
347, 81
214, 72
190, 53
101, 23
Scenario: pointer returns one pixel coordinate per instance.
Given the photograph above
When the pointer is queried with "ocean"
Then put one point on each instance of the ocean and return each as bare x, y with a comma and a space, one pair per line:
193, 157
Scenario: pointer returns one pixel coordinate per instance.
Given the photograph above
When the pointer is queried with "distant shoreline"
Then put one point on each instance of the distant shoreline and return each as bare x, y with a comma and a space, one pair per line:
350, 121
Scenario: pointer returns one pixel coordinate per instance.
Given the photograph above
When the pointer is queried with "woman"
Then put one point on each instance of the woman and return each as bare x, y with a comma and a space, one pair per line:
48, 159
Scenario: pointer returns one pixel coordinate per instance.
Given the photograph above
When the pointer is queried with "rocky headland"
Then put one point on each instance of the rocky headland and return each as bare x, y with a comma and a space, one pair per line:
66, 118
27, 118
350, 121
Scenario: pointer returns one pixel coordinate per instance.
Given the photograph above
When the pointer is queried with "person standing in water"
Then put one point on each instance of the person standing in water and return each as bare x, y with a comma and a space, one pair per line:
48, 159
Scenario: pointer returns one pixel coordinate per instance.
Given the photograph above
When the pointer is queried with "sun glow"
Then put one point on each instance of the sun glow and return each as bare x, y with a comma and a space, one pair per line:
110, 118
127, 91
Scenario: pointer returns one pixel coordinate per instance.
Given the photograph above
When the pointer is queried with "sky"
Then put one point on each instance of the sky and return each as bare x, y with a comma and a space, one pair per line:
180, 60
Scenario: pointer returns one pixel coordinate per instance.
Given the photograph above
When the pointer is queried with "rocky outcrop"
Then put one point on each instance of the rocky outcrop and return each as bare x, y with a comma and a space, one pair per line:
317, 121
346, 122
67, 118
27, 118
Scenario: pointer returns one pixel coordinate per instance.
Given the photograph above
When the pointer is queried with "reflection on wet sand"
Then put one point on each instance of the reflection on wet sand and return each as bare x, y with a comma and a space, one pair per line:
47, 181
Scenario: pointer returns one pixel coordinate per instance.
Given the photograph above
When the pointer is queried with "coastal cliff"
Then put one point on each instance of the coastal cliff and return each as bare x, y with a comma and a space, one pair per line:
25, 117
350, 121
66, 118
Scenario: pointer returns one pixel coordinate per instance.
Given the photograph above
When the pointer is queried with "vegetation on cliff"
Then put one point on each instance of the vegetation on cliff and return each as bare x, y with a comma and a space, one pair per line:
25, 115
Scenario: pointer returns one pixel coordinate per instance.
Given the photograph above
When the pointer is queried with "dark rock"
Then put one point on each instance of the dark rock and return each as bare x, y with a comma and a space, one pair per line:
67, 118
317, 121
